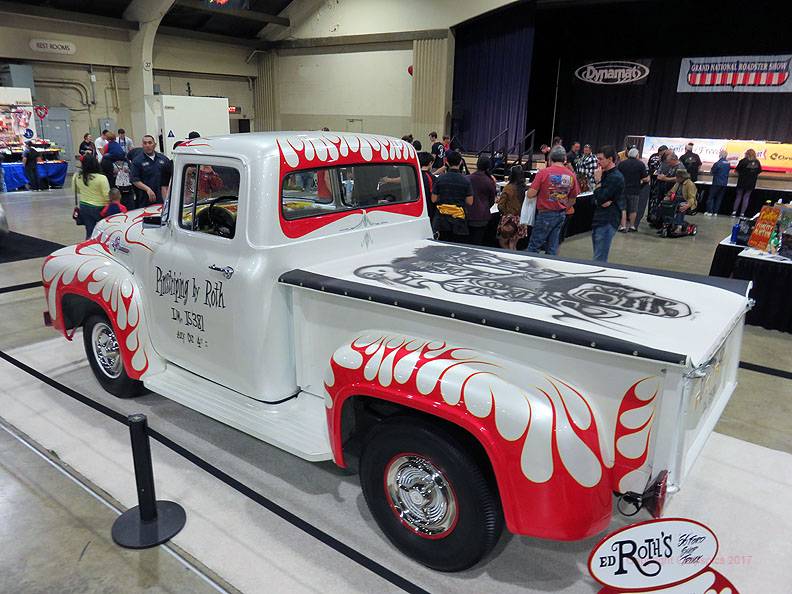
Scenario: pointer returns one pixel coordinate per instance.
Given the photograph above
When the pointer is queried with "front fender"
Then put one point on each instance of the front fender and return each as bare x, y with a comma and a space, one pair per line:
545, 440
89, 271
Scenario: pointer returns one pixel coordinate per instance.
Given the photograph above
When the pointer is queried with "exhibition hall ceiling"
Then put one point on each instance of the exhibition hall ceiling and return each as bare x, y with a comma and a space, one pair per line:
189, 15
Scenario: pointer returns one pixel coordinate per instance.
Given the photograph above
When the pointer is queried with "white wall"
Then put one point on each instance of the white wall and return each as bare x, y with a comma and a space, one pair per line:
327, 90
331, 18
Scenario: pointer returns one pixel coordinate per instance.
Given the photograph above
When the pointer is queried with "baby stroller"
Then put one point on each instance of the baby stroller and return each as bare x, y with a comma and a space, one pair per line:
667, 212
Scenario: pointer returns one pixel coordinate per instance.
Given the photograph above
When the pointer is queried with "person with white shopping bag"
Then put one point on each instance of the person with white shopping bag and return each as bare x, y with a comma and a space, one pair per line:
514, 210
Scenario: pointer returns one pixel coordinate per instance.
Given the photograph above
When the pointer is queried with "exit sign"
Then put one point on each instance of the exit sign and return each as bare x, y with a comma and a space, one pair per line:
234, 109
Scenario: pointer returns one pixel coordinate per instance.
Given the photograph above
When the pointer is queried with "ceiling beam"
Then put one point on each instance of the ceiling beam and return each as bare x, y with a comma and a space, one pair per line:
350, 40
213, 37
54, 14
250, 15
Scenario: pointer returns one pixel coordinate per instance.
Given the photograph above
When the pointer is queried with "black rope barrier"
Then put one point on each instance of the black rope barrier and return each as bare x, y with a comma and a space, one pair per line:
21, 287
230, 481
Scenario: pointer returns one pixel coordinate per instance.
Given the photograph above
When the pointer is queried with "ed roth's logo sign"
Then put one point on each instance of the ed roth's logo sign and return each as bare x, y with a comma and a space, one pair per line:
612, 73
656, 555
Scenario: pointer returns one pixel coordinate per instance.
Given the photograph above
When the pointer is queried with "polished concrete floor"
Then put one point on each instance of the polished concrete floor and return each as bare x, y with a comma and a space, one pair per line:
55, 536
759, 411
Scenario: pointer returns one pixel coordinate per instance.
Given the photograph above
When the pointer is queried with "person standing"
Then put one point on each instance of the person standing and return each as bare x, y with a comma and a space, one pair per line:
91, 187
30, 162
510, 202
438, 151
635, 175
124, 141
147, 173
607, 204
87, 145
653, 164
555, 188
720, 179
587, 165
666, 174
573, 156
691, 161
451, 194
429, 180
484, 191
748, 170
100, 144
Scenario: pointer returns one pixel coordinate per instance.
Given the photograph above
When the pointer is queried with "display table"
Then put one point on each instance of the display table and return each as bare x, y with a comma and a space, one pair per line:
725, 258
758, 197
772, 284
15, 177
580, 221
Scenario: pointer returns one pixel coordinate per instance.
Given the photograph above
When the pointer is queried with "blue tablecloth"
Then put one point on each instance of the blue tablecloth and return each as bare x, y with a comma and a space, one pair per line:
15, 178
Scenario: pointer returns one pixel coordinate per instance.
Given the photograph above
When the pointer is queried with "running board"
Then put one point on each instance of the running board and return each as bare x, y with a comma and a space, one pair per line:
297, 425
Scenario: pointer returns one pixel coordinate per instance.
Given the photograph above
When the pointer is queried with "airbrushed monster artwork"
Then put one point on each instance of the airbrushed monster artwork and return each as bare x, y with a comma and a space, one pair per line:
471, 389
592, 295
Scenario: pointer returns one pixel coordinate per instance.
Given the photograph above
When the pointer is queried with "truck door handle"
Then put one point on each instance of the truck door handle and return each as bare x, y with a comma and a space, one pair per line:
226, 270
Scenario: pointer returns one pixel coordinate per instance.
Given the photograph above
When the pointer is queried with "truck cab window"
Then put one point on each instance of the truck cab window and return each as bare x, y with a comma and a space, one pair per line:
210, 199
315, 192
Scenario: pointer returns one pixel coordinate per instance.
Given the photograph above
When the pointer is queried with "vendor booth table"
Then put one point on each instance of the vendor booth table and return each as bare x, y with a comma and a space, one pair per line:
15, 178
772, 282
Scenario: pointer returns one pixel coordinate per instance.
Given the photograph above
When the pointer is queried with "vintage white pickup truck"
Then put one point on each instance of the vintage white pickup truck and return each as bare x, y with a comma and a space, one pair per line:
290, 288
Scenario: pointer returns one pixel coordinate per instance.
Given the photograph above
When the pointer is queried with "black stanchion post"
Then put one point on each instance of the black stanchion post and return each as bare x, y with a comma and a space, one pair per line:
151, 522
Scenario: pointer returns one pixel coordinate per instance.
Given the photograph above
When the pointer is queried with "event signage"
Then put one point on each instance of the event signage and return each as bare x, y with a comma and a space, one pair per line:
735, 74
657, 555
53, 46
764, 227
774, 156
613, 73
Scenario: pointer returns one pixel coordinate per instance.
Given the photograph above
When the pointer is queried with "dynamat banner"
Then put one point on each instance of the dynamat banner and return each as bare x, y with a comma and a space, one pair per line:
774, 156
735, 74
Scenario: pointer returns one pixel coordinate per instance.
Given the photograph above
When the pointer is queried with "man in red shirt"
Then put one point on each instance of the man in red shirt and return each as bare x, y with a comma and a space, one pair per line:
556, 189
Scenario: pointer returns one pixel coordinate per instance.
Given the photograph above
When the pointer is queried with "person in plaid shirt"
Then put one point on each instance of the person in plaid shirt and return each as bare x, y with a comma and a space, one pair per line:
586, 165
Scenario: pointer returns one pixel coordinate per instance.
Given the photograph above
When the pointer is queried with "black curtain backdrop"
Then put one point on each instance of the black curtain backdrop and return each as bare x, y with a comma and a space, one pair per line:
664, 32
605, 114
492, 69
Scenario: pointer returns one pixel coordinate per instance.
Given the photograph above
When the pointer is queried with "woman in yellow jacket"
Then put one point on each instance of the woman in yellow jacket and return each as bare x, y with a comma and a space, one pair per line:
92, 188
683, 193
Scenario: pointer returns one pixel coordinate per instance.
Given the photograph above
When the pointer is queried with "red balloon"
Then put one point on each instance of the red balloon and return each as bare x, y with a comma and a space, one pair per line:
409, 70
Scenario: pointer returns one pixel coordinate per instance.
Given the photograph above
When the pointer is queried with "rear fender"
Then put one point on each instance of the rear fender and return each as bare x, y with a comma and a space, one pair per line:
549, 448
88, 271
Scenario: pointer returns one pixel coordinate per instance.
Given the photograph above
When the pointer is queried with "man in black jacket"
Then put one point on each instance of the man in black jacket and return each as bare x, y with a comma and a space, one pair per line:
607, 203
691, 161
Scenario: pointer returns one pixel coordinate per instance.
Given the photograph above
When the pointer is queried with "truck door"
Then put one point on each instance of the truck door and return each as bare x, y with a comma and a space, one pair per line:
195, 284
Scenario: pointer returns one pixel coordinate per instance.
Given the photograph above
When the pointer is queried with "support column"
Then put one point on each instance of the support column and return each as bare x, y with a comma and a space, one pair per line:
265, 98
433, 85
148, 13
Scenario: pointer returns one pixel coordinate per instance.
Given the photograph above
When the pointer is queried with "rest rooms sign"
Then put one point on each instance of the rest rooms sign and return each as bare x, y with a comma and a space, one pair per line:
735, 74
53, 46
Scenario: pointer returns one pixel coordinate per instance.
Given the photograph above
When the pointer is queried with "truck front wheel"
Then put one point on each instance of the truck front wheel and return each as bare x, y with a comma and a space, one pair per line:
429, 497
104, 355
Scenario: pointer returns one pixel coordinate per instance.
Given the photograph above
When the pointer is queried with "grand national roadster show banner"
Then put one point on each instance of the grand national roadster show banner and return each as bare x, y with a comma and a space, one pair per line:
735, 74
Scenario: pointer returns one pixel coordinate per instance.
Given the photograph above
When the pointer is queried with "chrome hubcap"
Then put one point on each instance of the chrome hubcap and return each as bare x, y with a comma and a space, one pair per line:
106, 351
420, 494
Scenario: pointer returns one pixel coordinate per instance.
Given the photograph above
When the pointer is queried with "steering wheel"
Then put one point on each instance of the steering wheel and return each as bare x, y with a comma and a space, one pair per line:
220, 221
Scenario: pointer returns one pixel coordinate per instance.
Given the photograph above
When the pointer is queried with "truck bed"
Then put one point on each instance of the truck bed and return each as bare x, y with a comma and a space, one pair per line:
664, 316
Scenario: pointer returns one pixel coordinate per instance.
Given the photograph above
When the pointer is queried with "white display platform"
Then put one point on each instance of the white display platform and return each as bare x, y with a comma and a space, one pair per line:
741, 490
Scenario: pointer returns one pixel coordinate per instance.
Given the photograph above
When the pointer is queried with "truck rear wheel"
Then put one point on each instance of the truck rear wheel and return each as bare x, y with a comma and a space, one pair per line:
104, 355
429, 497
